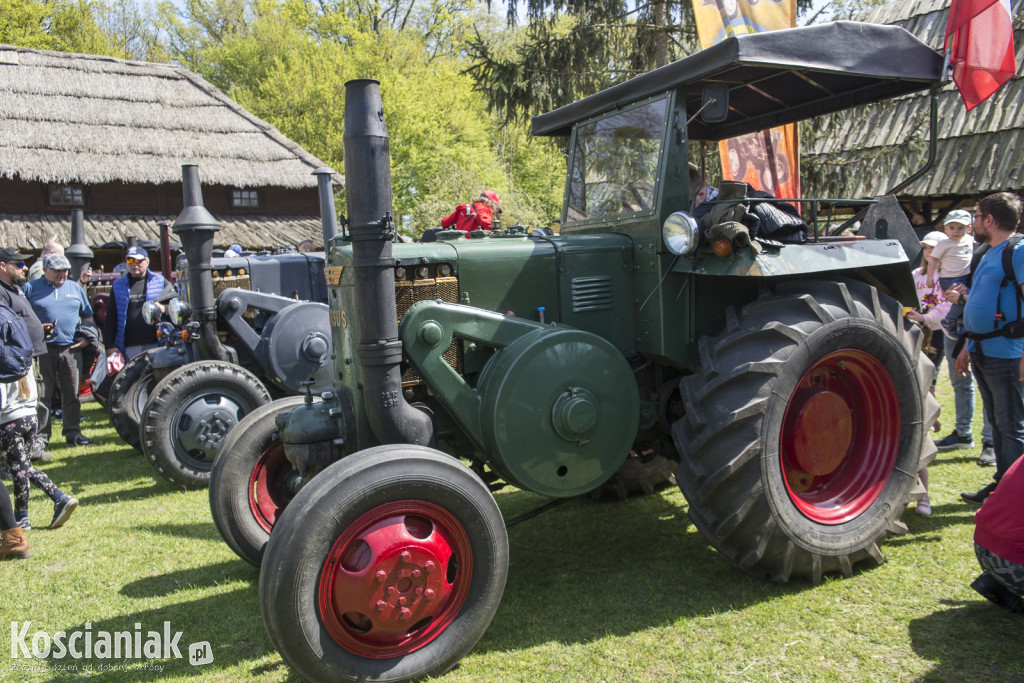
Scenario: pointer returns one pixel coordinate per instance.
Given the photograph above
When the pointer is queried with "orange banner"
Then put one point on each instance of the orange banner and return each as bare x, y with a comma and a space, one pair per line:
768, 160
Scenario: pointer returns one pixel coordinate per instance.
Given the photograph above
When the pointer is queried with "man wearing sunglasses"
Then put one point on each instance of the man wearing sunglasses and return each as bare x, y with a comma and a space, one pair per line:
13, 274
124, 329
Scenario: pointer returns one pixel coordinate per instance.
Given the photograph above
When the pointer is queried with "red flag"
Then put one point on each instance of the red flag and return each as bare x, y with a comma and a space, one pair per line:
982, 48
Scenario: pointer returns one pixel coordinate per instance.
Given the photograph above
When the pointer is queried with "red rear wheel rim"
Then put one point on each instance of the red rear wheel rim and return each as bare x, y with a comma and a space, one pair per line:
268, 494
395, 580
840, 437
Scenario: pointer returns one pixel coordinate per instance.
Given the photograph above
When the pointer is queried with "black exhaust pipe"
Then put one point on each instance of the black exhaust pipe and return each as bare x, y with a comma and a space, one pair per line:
78, 253
328, 214
195, 227
371, 227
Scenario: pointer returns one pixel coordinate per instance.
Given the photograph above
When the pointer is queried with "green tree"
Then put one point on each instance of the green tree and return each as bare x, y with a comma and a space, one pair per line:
445, 148
64, 25
574, 48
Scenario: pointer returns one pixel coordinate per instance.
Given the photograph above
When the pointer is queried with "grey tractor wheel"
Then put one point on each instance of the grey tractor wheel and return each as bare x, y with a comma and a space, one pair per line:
252, 481
128, 396
805, 429
388, 566
190, 413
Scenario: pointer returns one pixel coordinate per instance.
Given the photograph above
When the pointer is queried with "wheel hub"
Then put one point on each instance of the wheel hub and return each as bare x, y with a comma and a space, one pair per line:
395, 580
202, 425
840, 436
822, 431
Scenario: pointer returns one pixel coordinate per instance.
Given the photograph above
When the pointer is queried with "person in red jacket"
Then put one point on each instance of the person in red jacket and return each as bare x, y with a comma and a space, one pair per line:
999, 542
478, 215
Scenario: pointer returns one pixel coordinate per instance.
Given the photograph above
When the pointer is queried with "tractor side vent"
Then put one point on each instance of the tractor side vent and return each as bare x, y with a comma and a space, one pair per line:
591, 294
408, 292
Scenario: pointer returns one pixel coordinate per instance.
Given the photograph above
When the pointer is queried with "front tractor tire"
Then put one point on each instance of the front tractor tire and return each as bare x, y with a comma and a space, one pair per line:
805, 429
128, 396
252, 481
387, 566
190, 413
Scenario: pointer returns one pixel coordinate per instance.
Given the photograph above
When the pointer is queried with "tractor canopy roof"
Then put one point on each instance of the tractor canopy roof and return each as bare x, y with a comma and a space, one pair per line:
776, 77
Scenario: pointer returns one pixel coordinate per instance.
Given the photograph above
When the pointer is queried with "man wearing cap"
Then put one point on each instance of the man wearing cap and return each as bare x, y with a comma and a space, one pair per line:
51, 246
12, 275
124, 328
478, 215
62, 302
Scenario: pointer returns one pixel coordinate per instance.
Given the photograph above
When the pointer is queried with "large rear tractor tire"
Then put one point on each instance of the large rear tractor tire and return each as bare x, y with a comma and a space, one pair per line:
388, 566
252, 481
805, 429
128, 396
190, 413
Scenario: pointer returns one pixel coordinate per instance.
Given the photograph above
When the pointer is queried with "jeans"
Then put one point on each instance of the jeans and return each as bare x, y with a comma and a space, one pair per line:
963, 398
1002, 392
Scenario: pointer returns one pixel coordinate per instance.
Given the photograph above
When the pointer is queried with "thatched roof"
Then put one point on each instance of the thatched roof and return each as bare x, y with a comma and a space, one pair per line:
31, 231
866, 151
89, 119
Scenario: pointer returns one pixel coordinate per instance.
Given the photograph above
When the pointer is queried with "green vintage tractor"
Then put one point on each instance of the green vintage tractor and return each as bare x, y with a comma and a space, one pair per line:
779, 377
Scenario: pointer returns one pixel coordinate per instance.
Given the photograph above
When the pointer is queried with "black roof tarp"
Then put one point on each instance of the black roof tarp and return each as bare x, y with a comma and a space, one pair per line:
777, 77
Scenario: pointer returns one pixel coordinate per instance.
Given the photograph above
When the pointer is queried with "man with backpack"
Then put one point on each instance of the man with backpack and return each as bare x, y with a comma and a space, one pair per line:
12, 275
994, 320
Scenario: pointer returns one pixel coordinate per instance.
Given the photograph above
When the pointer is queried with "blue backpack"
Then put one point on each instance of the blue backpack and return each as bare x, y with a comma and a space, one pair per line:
15, 345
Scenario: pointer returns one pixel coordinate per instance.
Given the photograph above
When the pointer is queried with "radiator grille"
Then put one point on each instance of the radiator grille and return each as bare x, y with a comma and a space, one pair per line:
408, 292
591, 294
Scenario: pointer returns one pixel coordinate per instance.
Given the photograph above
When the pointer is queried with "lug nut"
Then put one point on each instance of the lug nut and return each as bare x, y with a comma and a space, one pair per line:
429, 567
406, 556
428, 594
381, 575
416, 573
405, 614
380, 605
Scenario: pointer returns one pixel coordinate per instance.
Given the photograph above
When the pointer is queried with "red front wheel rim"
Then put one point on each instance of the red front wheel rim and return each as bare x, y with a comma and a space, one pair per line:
840, 437
395, 579
268, 492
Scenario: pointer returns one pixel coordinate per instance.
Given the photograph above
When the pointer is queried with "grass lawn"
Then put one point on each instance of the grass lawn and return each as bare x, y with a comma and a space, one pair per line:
605, 591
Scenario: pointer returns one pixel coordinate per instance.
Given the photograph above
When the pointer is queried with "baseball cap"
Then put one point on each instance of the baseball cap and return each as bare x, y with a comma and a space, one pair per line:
56, 262
492, 195
7, 254
958, 216
933, 238
237, 248
136, 252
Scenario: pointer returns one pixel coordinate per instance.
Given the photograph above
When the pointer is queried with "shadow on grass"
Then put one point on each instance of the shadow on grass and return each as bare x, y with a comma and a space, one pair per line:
970, 640
190, 531
230, 622
589, 570
160, 585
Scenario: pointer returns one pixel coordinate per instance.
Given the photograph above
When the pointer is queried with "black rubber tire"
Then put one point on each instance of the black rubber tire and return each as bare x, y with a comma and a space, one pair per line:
324, 509
230, 480
128, 397
197, 391
731, 437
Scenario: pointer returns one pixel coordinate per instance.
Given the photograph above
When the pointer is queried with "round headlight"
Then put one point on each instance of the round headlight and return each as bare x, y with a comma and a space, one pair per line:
151, 312
179, 311
681, 233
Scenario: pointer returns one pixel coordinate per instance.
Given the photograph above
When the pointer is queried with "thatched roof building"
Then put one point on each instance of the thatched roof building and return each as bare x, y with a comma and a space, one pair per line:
110, 136
866, 151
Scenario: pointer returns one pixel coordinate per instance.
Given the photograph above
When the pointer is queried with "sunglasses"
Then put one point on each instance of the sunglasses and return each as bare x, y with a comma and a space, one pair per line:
134, 260
16, 264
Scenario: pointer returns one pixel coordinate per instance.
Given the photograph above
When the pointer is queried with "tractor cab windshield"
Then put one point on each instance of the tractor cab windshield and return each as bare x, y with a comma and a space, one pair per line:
615, 163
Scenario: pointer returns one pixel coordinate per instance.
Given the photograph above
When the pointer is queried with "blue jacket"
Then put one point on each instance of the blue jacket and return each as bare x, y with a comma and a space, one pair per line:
155, 284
